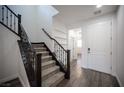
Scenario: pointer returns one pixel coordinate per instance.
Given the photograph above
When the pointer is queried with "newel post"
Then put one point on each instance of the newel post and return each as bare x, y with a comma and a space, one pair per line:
38, 70
67, 76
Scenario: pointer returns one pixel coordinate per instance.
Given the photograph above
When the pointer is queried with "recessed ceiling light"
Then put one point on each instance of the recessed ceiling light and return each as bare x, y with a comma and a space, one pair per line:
98, 6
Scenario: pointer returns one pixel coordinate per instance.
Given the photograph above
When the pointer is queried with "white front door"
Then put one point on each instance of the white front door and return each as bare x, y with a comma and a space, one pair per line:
99, 46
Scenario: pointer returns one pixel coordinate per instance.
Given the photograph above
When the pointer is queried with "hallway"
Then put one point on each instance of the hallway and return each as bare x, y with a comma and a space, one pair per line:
88, 78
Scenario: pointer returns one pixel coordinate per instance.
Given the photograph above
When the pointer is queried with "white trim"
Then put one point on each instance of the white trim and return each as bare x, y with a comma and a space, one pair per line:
118, 79
21, 80
9, 78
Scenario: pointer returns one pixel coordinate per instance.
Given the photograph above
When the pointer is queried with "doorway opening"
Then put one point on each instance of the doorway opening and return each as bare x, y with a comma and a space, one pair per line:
75, 44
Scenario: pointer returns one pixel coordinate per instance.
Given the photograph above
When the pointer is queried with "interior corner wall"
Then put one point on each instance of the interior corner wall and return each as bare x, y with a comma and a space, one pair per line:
120, 45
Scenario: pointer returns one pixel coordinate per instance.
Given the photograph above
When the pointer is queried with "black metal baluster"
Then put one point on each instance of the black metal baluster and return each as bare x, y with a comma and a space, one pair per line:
66, 60
7, 17
57, 51
61, 54
14, 24
64, 57
55, 47
3, 14
11, 20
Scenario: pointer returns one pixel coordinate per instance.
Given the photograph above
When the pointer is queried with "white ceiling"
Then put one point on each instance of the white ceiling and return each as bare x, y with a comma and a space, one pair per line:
71, 14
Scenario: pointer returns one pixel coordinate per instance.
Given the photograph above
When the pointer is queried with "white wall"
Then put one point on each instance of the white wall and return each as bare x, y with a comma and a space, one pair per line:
120, 45
59, 32
11, 65
44, 20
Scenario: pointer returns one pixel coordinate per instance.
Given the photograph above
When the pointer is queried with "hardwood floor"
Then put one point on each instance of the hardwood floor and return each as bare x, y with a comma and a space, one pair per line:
81, 77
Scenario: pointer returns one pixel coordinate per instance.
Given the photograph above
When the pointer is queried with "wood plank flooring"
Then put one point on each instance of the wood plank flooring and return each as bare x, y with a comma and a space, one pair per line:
81, 77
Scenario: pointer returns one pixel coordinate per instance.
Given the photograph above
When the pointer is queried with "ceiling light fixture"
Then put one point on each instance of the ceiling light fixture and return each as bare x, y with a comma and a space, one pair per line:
98, 6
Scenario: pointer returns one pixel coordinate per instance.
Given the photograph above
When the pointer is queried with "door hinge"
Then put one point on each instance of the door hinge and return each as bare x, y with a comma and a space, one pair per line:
110, 38
111, 67
111, 53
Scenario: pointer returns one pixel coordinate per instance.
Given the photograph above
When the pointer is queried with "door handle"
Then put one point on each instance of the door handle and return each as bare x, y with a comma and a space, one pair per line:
88, 50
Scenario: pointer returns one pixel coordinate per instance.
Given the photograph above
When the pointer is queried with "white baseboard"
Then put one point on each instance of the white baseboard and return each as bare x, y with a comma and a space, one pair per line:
118, 79
8, 78
24, 84
21, 80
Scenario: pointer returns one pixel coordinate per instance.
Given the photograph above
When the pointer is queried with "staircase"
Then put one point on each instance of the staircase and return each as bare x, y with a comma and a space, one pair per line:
43, 67
51, 74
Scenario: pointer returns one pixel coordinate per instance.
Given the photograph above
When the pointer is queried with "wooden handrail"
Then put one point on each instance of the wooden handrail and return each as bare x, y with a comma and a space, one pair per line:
54, 39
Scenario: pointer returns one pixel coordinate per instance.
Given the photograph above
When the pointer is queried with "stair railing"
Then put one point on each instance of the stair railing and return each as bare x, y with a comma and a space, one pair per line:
9, 19
31, 61
62, 55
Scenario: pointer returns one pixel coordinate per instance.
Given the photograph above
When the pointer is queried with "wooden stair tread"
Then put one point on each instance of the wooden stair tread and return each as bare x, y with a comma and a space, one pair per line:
49, 70
42, 52
39, 48
51, 74
47, 63
46, 57
53, 80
